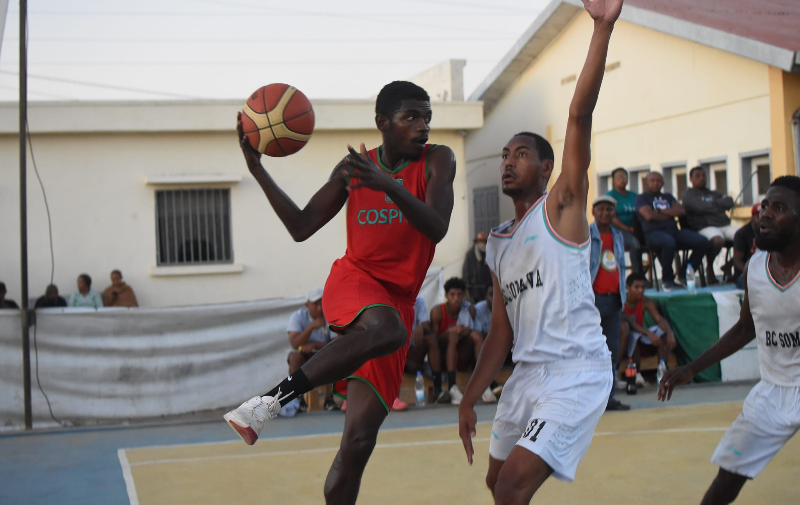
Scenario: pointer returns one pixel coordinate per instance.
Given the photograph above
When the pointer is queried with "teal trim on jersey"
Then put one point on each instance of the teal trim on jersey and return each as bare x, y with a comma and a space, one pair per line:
385, 168
782, 289
555, 235
344, 396
516, 226
336, 327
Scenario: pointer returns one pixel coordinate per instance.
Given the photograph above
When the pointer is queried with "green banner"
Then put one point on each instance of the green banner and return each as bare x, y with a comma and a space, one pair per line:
693, 318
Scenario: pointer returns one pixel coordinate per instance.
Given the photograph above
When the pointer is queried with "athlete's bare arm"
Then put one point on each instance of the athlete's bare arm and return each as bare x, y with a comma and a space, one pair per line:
566, 206
734, 339
431, 217
493, 354
301, 223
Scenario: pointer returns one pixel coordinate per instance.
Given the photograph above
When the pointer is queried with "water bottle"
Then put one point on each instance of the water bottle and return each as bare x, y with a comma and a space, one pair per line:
691, 286
630, 377
419, 389
662, 369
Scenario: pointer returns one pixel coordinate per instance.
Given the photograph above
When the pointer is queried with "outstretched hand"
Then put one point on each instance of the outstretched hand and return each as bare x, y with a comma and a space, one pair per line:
467, 418
251, 156
360, 166
672, 378
603, 10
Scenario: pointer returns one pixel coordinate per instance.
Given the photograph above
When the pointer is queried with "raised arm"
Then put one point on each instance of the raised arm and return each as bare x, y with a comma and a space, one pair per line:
431, 217
301, 223
567, 205
734, 339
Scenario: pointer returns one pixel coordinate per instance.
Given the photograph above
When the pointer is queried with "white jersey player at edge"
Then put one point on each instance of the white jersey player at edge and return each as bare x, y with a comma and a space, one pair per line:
553, 400
770, 313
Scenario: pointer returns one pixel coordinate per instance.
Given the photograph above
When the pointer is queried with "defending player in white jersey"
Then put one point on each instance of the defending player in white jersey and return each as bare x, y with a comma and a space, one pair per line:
770, 313
540, 269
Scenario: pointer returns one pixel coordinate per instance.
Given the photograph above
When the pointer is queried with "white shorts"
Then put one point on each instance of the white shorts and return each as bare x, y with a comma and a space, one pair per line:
552, 411
769, 418
635, 337
725, 232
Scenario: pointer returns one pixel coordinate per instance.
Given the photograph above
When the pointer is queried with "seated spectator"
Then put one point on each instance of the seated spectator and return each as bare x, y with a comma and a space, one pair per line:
607, 266
308, 333
623, 221
658, 212
4, 302
632, 330
85, 296
50, 299
453, 322
424, 342
475, 271
744, 244
705, 212
483, 322
119, 294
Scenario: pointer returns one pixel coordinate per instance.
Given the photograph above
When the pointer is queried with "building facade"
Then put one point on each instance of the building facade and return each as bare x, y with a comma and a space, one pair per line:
159, 190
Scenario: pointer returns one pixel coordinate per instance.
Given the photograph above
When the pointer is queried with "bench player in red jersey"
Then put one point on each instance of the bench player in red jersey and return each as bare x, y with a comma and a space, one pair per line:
399, 199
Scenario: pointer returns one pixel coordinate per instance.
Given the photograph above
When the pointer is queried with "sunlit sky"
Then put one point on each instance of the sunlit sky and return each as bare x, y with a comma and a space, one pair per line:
225, 49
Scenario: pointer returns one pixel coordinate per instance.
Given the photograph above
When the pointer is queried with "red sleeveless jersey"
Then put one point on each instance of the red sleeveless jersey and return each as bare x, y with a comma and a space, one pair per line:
637, 312
447, 321
380, 241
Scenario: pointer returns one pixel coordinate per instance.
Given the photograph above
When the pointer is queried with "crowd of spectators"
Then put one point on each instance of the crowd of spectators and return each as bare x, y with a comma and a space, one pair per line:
117, 294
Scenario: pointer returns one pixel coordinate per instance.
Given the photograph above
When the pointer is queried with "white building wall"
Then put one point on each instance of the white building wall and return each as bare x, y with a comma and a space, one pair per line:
103, 209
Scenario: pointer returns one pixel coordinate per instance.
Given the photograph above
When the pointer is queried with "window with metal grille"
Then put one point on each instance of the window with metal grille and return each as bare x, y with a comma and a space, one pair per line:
193, 226
486, 208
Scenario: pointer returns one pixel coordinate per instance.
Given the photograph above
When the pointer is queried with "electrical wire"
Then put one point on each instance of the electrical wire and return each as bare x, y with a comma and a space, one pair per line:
52, 255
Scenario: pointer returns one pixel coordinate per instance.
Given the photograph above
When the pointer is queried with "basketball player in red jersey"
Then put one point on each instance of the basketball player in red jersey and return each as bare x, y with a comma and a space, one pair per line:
400, 196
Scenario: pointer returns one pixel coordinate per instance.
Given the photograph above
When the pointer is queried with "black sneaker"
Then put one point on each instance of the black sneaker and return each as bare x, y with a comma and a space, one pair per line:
303, 407
330, 405
615, 404
443, 397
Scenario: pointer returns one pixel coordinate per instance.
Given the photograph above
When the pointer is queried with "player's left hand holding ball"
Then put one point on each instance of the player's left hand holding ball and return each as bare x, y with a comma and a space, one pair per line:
251, 156
467, 418
360, 166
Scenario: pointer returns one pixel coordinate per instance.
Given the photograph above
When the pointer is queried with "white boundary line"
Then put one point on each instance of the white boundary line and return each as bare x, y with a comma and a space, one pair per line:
299, 451
126, 474
398, 445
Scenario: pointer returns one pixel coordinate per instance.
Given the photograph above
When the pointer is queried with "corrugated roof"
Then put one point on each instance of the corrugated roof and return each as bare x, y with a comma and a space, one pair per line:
762, 30
773, 22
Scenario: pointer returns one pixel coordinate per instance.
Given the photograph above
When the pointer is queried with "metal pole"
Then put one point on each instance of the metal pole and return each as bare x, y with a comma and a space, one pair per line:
23, 208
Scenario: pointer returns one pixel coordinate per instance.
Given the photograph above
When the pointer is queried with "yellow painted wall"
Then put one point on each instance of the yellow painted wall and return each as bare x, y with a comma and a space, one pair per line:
669, 100
784, 89
103, 213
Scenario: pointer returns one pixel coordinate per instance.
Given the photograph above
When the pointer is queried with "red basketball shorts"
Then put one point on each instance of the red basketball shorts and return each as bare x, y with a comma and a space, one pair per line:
348, 292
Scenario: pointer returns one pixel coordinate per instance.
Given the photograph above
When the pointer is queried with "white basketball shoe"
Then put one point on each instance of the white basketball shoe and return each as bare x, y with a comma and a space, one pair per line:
251, 416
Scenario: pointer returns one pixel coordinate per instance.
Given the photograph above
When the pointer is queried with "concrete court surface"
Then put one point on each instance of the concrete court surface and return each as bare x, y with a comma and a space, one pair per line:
659, 455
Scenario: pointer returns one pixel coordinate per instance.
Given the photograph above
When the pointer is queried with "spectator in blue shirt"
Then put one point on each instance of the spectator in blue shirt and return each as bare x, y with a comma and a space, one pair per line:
623, 221
658, 212
85, 296
424, 342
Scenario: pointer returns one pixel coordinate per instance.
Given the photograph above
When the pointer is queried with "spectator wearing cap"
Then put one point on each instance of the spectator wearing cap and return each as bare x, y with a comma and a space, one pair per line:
744, 244
623, 221
475, 271
706, 214
85, 296
607, 266
50, 298
308, 333
4, 302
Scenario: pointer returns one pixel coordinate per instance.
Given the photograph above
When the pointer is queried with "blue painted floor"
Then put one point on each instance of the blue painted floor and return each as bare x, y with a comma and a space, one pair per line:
81, 466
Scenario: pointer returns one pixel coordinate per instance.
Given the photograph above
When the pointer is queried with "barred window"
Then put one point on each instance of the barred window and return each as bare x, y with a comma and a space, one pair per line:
193, 226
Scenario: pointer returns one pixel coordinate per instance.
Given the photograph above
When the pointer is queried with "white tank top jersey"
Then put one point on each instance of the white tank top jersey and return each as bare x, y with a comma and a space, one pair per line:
776, 314
547, 289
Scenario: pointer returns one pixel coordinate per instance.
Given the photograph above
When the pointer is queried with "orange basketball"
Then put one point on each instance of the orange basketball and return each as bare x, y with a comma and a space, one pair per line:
278, 120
